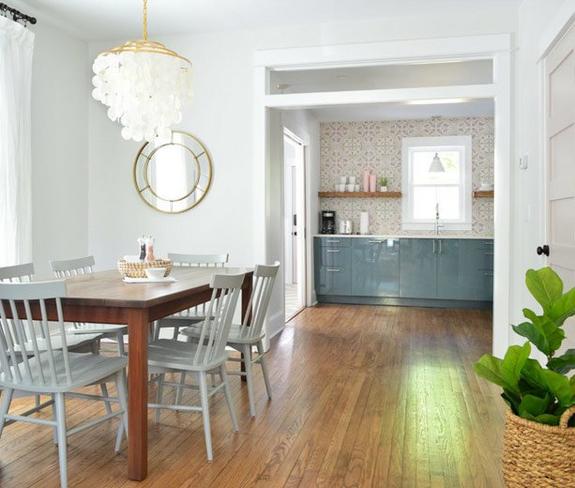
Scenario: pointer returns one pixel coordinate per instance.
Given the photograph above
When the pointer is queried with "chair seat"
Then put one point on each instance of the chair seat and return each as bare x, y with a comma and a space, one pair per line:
173, 355
238, 335
97, 329
86, 369
72, 341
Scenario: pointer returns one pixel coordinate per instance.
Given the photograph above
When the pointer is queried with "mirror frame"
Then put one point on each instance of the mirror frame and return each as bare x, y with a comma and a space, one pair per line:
144, 161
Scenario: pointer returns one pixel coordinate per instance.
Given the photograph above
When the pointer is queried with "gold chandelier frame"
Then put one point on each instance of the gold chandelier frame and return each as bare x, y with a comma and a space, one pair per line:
144, 45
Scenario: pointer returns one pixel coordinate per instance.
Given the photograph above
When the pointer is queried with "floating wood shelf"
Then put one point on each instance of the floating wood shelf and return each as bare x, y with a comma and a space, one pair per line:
483, 194
360, 194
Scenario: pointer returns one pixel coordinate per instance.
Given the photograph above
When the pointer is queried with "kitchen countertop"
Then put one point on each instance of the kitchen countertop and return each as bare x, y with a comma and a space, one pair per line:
375, 236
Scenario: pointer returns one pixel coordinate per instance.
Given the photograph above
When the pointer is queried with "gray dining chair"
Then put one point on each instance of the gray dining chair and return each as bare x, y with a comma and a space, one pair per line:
45, 365
69, 268
250, 333
208, 356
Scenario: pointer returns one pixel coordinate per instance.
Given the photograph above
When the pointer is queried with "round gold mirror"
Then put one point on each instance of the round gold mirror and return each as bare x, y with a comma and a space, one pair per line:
173, 176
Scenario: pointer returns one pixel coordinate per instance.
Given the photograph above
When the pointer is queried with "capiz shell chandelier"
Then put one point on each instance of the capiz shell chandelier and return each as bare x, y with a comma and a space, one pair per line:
144, 84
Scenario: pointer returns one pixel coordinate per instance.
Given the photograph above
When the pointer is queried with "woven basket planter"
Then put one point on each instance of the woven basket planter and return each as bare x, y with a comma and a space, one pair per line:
138, 269
538, 455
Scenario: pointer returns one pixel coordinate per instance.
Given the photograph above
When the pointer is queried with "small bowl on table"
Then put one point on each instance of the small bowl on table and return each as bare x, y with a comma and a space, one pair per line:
155, 273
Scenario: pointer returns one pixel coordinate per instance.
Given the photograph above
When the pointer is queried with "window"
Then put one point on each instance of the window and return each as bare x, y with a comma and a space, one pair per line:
426, 192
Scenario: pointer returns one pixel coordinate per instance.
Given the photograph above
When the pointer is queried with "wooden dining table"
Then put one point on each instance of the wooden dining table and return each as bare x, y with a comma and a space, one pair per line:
103, 298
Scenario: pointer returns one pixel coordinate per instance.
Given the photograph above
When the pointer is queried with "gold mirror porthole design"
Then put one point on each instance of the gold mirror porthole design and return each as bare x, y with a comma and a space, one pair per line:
173, 176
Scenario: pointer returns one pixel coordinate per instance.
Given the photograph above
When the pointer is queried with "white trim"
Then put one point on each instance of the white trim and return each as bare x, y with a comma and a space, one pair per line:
495, 47
557, 28
436, 143
447, 48
319, 99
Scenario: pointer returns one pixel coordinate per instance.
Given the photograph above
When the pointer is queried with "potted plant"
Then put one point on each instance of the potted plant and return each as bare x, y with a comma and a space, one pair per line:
383, 183
539, 438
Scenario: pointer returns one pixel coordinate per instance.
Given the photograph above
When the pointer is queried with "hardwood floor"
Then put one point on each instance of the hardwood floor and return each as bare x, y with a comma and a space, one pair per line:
363, 396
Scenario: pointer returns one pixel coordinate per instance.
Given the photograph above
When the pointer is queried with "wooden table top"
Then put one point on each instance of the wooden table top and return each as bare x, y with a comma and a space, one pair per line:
106, 288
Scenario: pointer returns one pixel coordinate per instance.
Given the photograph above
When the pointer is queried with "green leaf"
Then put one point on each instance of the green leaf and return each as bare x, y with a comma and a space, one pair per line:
563, 364
514, 360
491, 368
535, 335
548, 419
532, 373
559, 386
545, 285
562, 308
533, 405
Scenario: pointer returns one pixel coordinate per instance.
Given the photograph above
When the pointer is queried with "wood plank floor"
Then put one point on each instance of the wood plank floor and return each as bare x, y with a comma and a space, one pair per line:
363, 396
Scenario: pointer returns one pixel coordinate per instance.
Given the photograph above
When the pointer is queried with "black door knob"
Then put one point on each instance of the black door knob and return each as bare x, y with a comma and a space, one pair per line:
543, 250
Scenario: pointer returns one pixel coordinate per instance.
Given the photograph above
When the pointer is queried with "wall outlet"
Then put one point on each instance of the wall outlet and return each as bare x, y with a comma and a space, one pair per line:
524, 162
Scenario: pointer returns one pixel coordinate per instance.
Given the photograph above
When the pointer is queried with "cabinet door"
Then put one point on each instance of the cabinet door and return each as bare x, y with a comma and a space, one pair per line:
477, 269
375, 267
449, 277
418, 273
332, 270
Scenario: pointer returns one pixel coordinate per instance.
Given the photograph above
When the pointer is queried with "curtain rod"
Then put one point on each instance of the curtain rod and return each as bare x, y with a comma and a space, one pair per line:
16, 14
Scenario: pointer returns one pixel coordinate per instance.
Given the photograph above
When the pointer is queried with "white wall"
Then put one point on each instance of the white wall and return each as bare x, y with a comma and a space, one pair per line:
222, 115
60, 86
528, 230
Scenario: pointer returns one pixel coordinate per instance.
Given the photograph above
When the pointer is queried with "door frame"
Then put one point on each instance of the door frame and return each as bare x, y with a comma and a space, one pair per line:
494, 47
302, 260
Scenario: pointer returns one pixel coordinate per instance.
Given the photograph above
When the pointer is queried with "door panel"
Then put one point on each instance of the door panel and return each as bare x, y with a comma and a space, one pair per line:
418, 268
560, 161
375, 267
448, 269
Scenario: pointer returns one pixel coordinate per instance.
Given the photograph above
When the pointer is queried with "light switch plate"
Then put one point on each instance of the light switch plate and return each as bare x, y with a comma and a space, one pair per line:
524, 162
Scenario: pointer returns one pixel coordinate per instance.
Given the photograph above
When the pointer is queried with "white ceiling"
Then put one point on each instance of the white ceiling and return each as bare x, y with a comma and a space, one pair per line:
402, 111
112, 19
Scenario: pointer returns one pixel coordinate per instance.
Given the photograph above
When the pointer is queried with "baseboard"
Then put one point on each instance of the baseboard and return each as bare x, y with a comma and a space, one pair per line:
275, 324
405, 302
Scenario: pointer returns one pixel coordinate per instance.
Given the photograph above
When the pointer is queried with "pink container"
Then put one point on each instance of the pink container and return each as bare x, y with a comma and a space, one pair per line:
372, 183
366, 180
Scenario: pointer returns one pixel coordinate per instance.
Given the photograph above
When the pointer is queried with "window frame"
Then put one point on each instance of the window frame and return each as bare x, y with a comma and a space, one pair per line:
437, 144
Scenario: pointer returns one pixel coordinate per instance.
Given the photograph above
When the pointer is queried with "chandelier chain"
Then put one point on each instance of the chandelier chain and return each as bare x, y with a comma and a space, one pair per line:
145, 20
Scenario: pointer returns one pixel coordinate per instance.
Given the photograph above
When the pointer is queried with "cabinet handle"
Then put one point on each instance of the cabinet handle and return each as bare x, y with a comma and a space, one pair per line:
440, 246
333, 250
433, 246
333, 270
489, 253
487, 274
334, 241
375, 242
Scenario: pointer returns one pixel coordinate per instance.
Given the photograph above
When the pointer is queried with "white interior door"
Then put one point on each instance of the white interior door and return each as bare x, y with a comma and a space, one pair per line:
560, 147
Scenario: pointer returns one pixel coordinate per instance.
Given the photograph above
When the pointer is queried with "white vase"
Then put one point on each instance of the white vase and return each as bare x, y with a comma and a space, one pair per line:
383, 188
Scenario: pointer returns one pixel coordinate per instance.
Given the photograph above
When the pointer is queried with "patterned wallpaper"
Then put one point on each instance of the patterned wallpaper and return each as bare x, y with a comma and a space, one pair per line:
347, 148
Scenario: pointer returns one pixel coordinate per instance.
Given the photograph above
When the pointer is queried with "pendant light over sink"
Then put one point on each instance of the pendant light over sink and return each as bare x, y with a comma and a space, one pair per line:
144, 84
436, 165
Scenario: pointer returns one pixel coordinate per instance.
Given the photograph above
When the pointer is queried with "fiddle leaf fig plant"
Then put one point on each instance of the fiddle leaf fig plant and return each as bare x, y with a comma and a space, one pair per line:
534, 392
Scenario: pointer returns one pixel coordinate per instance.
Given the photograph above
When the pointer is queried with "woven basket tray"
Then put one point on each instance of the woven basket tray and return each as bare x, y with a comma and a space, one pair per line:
538, 455
138, 269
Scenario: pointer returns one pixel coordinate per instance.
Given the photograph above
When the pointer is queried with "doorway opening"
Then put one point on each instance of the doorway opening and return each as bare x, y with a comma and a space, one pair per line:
294, 224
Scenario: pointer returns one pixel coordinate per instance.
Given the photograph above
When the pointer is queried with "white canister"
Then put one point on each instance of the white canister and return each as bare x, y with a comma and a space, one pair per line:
349, 187
351, 180
342, 180
364, 223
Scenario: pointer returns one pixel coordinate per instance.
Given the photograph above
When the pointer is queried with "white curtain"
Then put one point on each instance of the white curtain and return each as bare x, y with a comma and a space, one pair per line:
16, 48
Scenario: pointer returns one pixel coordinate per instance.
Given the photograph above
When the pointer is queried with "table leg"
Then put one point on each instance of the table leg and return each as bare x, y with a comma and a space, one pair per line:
138, 324
246, 294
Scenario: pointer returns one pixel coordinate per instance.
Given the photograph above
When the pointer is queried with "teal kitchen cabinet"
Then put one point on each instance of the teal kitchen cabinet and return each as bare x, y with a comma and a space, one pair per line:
375, 267
418, 268
332, 266
476, 270
449, 266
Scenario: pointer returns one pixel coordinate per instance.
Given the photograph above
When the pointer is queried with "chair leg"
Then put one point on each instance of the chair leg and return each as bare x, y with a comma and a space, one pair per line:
37, 401
206, 413
227, 393
160, 396
123, 398
247, 350
4, 407
104, 390
62, 448
264, 369
55, 417
120, 339
180, 389
176, 333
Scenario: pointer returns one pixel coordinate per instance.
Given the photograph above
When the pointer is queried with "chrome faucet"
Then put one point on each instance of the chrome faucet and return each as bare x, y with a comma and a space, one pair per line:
438, 226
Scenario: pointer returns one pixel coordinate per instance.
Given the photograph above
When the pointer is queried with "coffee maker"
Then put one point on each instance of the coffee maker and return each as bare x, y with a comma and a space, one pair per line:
327, 222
